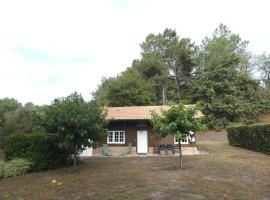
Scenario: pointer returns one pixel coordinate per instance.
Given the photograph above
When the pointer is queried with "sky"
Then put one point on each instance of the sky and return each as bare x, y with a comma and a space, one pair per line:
51, 48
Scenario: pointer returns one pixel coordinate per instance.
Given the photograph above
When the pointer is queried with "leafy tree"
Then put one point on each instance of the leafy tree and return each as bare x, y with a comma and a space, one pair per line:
153, 65
7, 105
153, 69
166, 64
78, 123
218, 74
101, 94
263, 64
180, 57
15, 118
166, 55
247, 63
229, 94
178, 121
127, 89
18, 121
224, 49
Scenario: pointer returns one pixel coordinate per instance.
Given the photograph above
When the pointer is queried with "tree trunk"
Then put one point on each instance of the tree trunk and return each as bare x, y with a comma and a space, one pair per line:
163, 96
75, 157
180, 154
177, 85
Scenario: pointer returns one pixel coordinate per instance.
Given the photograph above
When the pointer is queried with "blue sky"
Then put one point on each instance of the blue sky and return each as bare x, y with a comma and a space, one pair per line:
51, 48
39, 57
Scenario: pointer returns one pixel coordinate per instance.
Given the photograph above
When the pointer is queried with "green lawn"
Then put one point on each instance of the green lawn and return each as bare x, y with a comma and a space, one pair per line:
223, 173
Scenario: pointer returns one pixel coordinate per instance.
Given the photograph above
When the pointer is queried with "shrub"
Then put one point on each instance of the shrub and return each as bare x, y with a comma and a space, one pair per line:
41, 149
254, 137
14, 167
2, 166
1, 155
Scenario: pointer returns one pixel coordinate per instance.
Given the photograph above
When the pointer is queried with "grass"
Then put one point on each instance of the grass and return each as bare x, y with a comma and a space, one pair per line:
224, 172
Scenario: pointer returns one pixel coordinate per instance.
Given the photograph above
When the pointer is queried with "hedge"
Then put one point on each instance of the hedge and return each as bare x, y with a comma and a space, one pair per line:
41, 149
253, 137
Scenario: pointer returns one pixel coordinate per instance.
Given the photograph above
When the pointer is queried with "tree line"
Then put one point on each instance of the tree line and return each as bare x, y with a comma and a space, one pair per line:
230, 83
74, 123
16, 118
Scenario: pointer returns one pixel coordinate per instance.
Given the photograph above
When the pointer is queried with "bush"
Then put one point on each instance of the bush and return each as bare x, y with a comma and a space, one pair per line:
16, 167
254, 137
1, 155
2, 166
41, 149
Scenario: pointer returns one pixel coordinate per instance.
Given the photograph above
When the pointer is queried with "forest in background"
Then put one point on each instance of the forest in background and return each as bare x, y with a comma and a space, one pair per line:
230, 83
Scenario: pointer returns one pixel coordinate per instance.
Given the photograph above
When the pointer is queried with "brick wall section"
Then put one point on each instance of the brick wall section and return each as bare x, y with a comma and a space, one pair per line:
117, 150
131, 128
114, 149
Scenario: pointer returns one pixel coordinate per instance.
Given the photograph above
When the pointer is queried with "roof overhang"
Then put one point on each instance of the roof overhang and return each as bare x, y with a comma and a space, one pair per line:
137, 112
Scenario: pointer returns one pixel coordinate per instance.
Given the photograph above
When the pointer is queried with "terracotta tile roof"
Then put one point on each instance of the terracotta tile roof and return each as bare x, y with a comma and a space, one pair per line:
136, 112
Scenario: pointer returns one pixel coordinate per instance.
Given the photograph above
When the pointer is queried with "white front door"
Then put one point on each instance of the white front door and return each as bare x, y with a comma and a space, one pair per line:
142, 142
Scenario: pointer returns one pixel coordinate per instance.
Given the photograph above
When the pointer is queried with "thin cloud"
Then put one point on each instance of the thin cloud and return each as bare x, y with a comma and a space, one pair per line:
37, 56
79, 42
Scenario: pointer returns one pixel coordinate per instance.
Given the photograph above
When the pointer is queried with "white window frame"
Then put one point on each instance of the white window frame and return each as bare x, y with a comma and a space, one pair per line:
113, 138
187, 138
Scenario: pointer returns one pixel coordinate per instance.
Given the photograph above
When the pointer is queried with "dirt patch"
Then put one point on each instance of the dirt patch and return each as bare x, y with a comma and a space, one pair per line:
248, 179
214, 178
212, 136
265, 118
158, 195
264, 198
197, 196
220, 174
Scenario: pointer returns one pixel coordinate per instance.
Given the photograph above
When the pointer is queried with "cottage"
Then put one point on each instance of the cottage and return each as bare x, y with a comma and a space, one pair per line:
132, 125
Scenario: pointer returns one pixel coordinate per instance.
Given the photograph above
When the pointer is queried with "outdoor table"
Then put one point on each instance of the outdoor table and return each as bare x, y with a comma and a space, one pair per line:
166, 148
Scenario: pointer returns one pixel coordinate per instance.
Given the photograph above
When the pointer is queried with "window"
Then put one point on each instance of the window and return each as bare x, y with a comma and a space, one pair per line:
183, 141
110, 137
116, 137
122, 137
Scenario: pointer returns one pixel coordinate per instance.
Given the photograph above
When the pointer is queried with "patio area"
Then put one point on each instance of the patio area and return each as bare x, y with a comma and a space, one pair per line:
158, 150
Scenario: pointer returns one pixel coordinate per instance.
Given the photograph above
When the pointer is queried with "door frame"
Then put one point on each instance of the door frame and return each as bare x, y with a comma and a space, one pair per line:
146, 141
